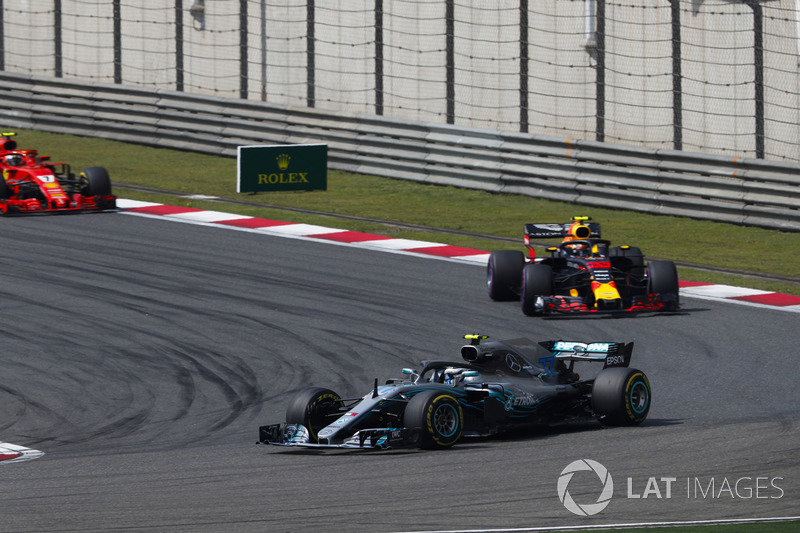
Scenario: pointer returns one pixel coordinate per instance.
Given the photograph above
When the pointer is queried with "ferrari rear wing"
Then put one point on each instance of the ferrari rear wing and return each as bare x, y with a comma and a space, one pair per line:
609, 353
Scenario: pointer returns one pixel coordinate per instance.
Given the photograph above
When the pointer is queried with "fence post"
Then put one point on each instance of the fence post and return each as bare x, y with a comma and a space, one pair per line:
57, 48
677, 76
379, 57
2, 37
450, 31
758, 67
600, 96
243, 72
117, 42
310, 55
523, 66
179, 45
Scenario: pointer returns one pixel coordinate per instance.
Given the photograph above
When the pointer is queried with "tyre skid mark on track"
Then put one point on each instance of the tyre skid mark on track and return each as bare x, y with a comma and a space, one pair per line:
706, 291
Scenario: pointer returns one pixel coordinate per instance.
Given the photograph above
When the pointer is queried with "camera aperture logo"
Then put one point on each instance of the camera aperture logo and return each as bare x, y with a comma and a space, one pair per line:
664, 487
585, 509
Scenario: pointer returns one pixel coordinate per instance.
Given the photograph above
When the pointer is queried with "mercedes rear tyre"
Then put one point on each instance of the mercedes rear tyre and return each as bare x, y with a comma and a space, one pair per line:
314, 408
621, 396
438, 418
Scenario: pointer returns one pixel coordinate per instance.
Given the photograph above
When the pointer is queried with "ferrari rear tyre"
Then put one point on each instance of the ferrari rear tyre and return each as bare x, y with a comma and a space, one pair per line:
537, 282
621, 396
437, 416
504, 274
314, 408
95, 182
4, 192
662, 279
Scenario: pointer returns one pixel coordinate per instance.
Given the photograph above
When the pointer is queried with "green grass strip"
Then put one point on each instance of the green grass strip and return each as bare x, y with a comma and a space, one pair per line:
747, 250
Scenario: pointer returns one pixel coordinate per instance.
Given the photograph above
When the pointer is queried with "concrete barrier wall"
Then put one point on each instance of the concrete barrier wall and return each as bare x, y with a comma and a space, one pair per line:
738, 190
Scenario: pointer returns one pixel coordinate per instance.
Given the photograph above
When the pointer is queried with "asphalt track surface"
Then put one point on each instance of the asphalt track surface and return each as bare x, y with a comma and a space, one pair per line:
141, 355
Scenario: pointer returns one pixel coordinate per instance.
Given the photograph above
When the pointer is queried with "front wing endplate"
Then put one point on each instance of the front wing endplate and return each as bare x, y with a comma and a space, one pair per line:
365, 439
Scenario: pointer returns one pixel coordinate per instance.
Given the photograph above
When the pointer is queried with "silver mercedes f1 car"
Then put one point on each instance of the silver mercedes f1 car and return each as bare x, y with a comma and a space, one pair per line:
499, 385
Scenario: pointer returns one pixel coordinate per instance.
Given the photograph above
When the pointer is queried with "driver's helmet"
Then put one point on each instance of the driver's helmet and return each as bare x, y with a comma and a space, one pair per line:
577, 249
13, 160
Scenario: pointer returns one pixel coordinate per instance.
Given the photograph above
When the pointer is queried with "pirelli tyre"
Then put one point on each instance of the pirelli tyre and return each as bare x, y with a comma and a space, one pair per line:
314, 408
537, 281
438, 418
504, 274
629, 259
621, 396
95, 182
662, 279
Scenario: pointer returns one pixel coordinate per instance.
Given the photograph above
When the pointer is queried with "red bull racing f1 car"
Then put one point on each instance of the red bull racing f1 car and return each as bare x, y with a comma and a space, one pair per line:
33, 184
583, 274
499, 385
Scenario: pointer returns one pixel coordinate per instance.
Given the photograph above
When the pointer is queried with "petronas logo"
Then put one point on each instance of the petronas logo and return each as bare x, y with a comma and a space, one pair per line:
283, 161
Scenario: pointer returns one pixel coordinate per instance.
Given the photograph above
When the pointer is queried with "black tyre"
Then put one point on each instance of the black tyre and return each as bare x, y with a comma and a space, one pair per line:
314, 408
621, 396
95, 182
662, 279
537, 281
437, 416
504, 274
629, 259
5, 193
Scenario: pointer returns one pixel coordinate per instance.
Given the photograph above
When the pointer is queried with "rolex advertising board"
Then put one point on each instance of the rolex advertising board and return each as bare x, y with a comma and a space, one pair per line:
295, 167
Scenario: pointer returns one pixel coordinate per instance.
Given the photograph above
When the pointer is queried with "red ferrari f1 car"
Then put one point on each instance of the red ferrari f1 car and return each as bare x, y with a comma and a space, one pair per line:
32, 184
583, 274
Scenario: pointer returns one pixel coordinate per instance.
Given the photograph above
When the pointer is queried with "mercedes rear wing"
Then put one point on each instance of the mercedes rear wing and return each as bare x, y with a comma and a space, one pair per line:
609, 353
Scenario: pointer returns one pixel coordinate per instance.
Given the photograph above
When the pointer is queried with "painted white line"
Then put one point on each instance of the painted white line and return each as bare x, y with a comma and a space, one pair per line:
789, 308
481, 259
208, 216
720, 291
124, 203
299, 229
633, 525
399, 244
202, 197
